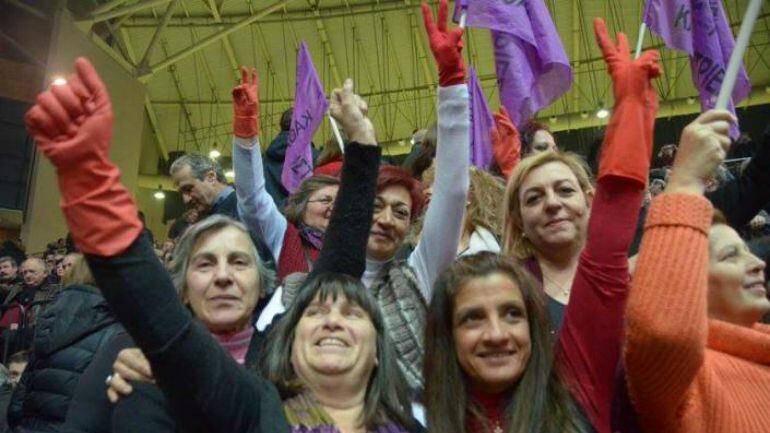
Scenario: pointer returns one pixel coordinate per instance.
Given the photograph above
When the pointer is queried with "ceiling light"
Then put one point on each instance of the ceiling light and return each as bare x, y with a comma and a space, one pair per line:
584, 115
159, 194
230, 174
603, 113
214, 154
553, 119
59, 81
690, 101
767, 89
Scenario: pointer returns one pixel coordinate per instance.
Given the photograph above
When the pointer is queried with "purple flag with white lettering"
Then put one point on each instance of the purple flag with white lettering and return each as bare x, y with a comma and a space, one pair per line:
310, 105
700, 28
482, 123
532, 68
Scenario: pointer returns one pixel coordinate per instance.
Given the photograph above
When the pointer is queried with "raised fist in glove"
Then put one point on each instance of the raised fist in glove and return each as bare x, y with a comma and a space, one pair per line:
506, 143
73, 122
72, 125
246, 104
446, 45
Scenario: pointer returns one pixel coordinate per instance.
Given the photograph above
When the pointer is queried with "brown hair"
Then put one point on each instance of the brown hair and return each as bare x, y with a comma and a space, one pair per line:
514, 242
528, 132
79, 273
541, 402
387, 396
295, 206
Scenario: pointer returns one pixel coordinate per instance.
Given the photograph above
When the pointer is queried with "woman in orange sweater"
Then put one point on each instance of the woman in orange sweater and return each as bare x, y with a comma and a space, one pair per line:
696, 358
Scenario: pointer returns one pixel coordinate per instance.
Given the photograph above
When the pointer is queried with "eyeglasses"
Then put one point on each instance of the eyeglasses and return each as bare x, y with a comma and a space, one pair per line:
326, 201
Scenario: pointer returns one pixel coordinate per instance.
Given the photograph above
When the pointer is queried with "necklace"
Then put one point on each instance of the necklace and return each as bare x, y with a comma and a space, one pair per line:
563, 292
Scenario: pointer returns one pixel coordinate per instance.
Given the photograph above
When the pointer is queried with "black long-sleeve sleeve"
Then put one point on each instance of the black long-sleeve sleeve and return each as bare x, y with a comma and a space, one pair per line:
195, 373
344, 249
740, 199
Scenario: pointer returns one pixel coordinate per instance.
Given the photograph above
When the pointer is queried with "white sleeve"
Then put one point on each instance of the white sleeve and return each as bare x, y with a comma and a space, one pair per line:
272, 309
443, 219
255, 206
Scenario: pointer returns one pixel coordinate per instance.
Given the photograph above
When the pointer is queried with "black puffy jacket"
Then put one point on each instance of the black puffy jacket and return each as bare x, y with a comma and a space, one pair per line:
67, 336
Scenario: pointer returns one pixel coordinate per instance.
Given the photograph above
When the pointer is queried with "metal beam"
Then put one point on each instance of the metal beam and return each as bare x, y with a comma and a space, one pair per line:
427, 71
170, 60
226, 40
325, 41
104, 16
144, 63
106, 7
159, 140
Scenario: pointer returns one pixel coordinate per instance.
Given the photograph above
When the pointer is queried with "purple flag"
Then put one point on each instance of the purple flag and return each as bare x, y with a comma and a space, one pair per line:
310, 105
532, 68
482, 123
700, 28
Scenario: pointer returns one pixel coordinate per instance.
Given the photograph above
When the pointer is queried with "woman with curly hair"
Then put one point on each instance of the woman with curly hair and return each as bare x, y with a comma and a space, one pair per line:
482, 223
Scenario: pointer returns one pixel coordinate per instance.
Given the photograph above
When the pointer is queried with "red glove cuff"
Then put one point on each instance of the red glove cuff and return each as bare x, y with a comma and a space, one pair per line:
245, 127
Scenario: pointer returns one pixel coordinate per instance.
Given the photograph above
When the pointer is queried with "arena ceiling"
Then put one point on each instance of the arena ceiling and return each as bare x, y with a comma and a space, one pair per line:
188, 53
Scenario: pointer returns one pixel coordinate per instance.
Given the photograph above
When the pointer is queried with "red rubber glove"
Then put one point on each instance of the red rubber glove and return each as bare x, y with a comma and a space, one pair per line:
628, 141
72, 125
246, 104
446, 45
506, 143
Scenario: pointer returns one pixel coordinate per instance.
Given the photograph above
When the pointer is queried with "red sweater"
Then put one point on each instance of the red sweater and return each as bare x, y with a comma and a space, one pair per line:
590, 339
687, 373
295, 253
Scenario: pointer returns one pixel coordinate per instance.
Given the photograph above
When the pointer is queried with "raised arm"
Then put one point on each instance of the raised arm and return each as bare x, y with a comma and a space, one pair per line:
72, 125
443, 219
344, 246
666, 312
255, 206
592, 332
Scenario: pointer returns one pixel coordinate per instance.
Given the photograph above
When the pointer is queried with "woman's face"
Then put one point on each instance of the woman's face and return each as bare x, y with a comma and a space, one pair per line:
736, 288
392, 218
543, 141
334, 338
554, 209
491, 332
223, 280
319, 207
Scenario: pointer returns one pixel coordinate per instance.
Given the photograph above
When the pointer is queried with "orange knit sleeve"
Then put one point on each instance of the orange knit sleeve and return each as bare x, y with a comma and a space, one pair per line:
666, 311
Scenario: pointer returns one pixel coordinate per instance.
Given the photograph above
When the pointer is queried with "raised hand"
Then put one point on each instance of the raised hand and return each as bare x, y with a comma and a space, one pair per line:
702, 147
630, 77
246, 104
130, 366
446, 45
627, 145
506, 143
72, 122
72, 126
350, 110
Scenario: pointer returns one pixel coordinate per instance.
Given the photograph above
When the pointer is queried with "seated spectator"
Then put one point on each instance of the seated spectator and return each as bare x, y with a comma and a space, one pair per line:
68, 334
9, 276
423, 152
34, 292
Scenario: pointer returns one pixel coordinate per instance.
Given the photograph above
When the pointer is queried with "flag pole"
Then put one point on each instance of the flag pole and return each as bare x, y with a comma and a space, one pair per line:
337, 135
737, 57
640, 40
463, 18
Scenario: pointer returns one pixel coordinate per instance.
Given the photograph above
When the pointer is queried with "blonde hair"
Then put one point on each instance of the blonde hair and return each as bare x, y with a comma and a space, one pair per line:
484, 208
515, 242
79, 273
